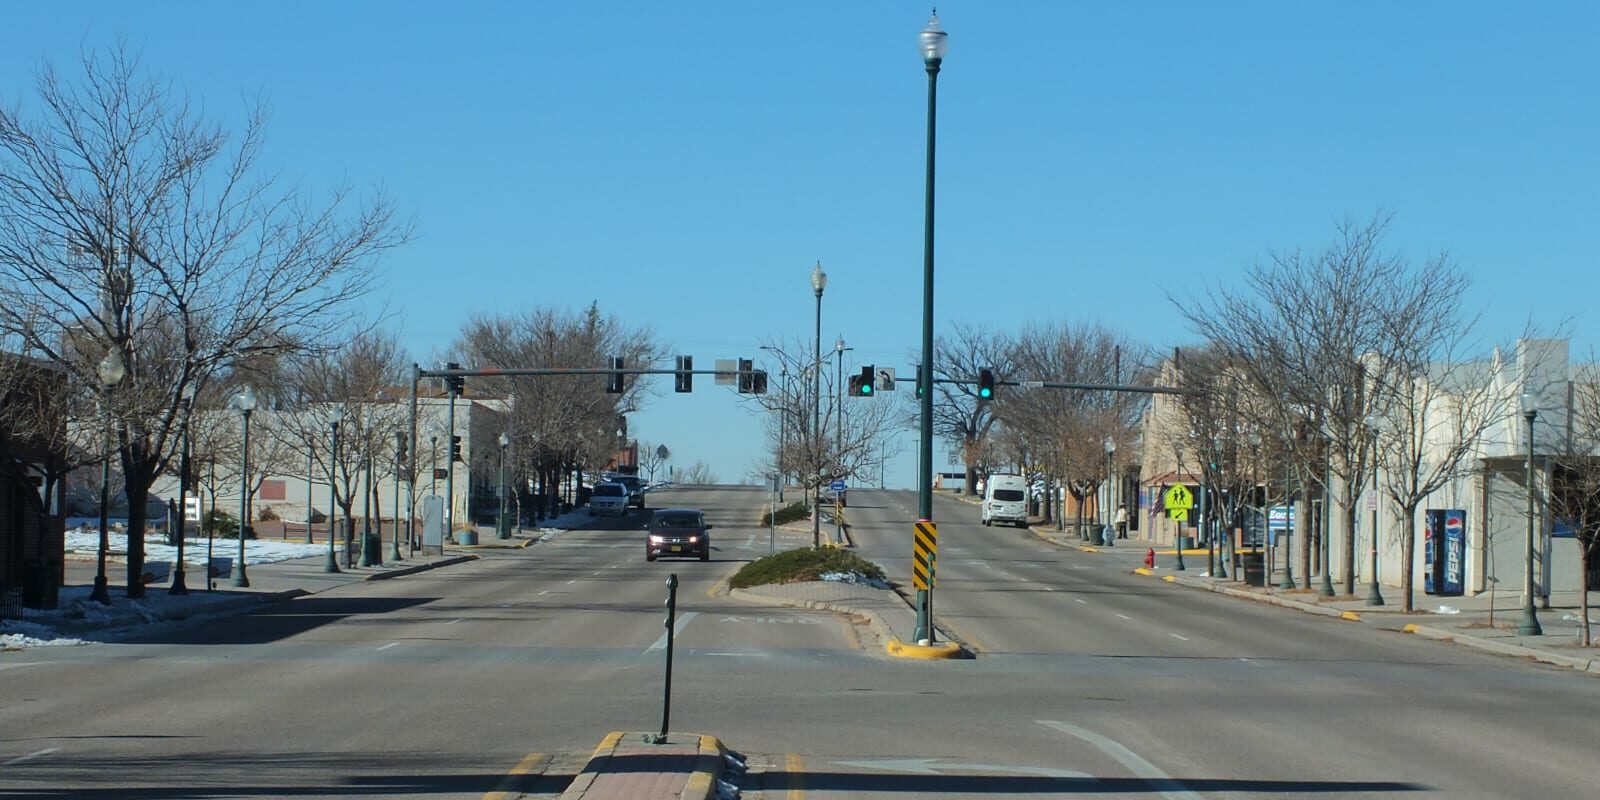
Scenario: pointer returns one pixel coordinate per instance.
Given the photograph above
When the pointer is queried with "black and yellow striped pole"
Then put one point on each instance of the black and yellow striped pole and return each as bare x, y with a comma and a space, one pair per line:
924, 562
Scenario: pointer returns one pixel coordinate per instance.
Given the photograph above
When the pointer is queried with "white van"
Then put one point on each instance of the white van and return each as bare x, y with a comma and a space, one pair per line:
1005, 499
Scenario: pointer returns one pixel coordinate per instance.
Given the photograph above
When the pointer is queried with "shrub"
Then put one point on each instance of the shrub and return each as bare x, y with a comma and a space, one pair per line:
807, 564
219, 524
266, 514
790, 513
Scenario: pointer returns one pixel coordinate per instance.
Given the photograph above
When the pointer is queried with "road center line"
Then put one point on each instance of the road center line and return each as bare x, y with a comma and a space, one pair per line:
1160, 781
1179, 638
1126, 617
677, 630
389, 645
569, 583
1081, 600
1049, 588
32, 755
454, 621
546, 591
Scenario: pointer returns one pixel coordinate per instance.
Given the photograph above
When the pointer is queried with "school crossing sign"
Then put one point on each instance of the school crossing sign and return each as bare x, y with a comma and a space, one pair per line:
1177, 501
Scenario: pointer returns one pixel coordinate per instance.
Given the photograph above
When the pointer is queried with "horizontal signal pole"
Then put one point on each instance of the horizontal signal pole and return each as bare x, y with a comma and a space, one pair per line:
520, 372
1093, 387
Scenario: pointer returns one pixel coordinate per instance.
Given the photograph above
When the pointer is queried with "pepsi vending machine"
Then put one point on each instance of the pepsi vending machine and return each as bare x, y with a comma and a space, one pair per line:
1444, 552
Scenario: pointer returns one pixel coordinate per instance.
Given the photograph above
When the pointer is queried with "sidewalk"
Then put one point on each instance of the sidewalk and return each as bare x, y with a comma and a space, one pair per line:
629, 766
1469, 621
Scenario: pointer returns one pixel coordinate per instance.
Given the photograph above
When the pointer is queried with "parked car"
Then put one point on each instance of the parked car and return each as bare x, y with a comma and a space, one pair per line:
609, 498
677, 533
635, 486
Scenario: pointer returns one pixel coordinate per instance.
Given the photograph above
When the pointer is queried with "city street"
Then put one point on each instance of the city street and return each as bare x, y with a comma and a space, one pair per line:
502, 674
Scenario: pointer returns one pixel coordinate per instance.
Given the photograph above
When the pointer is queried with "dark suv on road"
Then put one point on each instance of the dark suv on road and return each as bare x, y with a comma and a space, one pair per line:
635, 486
677, 533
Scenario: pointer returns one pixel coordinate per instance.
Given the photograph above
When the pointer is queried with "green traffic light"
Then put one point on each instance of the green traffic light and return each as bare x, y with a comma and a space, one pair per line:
986, 393
866, 389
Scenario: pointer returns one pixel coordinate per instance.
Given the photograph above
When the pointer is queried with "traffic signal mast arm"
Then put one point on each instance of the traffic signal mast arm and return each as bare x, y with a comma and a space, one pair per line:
1098, 387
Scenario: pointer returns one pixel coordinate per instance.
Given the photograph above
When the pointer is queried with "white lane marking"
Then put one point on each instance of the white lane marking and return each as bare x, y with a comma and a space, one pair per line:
389, 645
1160, 781
1081, 600
34, 754
21, 664
452, 622
1024, 580
547, 591
677, 630
1049, 588
596, 572
569, 583
1179, 638
1248, 661
1126, 617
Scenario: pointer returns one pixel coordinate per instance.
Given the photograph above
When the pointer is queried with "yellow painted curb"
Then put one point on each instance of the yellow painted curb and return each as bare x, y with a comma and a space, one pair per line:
1411, 628
1169, 578
895, 647
1087, 549
525, 543
1351, 616
1142, 571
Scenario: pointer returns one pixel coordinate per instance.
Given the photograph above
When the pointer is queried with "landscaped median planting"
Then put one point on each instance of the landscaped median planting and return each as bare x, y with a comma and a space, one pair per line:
807, 564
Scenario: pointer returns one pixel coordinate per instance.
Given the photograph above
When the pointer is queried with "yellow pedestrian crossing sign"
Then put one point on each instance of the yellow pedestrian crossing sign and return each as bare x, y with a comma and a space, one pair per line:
1178, 498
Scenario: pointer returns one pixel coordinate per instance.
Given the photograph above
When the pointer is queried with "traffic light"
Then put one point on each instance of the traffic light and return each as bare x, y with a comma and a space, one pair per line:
746, 378
684, 379
455, 383
985, 384
758, 382
861, 385
919, 381
614, 380
455, 448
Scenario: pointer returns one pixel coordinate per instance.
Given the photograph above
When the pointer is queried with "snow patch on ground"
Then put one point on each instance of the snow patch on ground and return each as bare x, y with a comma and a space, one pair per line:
256, 551
855, 578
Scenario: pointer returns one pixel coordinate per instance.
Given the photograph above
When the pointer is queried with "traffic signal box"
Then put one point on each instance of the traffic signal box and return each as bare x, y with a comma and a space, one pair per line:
985, 384
861, 385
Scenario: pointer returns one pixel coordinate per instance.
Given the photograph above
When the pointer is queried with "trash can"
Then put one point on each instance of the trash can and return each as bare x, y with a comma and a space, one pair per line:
1186, 542
1253, 567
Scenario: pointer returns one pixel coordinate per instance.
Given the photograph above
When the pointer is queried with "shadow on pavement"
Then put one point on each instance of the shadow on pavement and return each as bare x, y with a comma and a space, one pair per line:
299, 774
1031, 786
280, 620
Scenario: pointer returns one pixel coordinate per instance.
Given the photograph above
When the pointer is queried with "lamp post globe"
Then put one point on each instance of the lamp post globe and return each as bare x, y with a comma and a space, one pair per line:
110, 371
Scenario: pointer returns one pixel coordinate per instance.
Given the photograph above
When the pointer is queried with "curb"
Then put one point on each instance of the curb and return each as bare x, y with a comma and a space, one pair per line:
1576, 663
702, 782
449, 562
1272, 600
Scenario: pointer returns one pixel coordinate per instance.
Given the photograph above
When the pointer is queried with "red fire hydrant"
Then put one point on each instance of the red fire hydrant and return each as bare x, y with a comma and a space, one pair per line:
1150, 558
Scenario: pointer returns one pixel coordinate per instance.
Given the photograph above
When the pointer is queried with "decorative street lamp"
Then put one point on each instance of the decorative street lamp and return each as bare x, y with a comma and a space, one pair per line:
503, 529
933, 42
1375, 425
399, 469
838, 416
1177, 476
819, 282
334, 418
179, 585
244, 402
1530, 617
110, 372
1111, 450
369, 558
1288, 512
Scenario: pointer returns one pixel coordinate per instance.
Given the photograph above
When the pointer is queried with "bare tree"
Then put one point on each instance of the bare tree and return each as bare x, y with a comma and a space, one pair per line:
1313, 332
134, 231
651, 458
959, 415
1574, 495
699, 473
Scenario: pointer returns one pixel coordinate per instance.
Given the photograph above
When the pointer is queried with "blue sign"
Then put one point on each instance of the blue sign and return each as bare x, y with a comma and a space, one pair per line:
837, 486
1444, 551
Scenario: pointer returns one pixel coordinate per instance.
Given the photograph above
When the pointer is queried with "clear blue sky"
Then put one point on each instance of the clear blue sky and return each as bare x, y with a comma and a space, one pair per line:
687, 163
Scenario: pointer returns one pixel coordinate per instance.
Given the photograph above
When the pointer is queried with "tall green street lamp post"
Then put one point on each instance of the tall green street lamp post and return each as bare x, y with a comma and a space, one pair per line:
819, 282
399, 467
368, 557
1178, 538
110, 372
1326, 587
1374, 595
838, 431
180, 585
503, 528
933, 42
1530, 617
1288, 514
1111, 450
334, 418
311, 477
244, 402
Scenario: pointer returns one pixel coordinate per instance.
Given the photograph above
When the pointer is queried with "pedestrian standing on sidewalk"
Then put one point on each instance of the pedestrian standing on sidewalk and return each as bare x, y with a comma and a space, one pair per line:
1122, 521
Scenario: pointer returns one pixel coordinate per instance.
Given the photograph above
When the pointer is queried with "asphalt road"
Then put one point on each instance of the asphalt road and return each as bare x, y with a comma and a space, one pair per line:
502, 674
